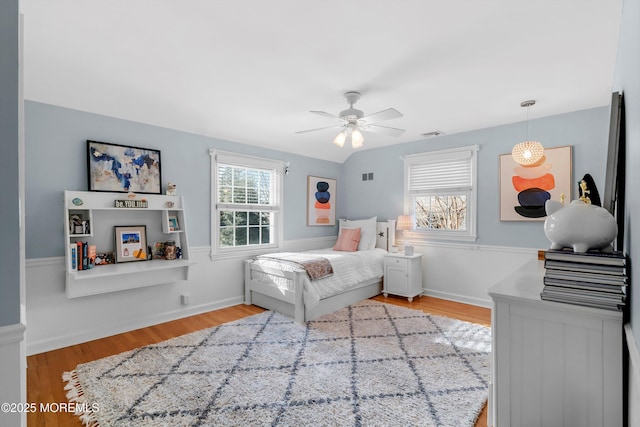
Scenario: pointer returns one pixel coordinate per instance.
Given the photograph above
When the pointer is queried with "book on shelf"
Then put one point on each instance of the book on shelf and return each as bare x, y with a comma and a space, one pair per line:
91, 256
617, 270
79, 257
615, 258
73, 257
583, 302
580, 276
587, 286
583, 294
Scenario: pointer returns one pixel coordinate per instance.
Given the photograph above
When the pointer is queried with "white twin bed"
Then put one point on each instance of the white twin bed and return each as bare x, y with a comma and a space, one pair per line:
310, 284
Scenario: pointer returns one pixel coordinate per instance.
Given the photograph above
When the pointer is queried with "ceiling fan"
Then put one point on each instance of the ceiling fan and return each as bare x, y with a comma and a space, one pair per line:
352, 121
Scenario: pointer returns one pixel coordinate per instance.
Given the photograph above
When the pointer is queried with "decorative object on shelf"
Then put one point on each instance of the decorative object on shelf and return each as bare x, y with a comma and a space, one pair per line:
173, 223
404, 223
131, 204
131, 243
528, 152
121, 168
178, 252
104, 258
172, 189
170, 250
321, 196
580, 226
158, 250
77, 201
524, 189
588, 191
75, 224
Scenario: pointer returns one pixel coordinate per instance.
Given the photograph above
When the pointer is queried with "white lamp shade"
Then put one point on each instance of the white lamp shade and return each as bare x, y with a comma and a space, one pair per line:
357, 140
405, 222
527, 153
339, 140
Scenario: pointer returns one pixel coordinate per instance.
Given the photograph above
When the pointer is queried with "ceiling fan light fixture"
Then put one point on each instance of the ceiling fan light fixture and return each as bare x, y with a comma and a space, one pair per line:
340, 138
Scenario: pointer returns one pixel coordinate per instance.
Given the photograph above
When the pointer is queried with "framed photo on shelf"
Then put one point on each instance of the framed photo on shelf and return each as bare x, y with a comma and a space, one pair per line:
123, 168
321, 201
173, 223
131, 243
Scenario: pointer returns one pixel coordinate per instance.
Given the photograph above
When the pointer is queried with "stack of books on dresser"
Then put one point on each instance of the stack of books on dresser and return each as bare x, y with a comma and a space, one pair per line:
593, 279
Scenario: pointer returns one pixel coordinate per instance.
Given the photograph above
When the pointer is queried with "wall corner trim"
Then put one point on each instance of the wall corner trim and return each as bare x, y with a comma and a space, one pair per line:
634, 352
12, 333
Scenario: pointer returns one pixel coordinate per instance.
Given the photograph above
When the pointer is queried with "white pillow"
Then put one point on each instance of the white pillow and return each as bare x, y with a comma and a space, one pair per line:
367, 231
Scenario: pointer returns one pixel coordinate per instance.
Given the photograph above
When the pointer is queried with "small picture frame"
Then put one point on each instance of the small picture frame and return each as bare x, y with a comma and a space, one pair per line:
173, 223
158, 250
131, 243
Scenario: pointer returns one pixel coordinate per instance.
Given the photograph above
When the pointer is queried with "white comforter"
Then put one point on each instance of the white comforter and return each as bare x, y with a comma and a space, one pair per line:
349, 270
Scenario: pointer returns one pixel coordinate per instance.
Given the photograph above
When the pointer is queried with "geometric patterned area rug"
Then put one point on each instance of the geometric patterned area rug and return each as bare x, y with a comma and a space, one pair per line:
369, 364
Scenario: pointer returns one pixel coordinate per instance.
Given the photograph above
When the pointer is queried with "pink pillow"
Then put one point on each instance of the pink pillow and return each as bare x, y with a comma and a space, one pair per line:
348, 240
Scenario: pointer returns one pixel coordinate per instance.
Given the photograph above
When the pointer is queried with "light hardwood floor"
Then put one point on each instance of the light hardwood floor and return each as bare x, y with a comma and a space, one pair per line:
44, 370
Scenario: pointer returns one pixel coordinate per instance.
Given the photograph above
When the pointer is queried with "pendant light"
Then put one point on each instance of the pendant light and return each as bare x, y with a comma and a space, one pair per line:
528, 152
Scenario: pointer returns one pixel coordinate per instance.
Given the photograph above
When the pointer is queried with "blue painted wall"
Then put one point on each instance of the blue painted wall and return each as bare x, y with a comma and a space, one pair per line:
586, 131
56, 161
56, 143
9, 161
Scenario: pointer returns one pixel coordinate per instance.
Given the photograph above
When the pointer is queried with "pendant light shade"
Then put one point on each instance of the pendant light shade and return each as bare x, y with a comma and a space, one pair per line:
528, 152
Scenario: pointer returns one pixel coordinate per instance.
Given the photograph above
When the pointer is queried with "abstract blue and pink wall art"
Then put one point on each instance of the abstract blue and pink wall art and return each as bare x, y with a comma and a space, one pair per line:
321, 201
524, 189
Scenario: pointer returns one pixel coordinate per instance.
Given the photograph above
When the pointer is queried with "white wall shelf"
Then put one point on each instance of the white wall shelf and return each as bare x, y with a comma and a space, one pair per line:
99, 209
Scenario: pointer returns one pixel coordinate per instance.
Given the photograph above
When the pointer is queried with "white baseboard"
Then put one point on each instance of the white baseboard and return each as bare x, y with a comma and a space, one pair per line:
71, 338
458, 298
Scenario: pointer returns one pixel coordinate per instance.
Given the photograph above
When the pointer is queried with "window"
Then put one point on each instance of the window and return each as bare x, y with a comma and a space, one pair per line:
246, 203
440, 192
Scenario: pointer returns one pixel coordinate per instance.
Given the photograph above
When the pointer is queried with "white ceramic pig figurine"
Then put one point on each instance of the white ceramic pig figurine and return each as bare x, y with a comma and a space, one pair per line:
580, 226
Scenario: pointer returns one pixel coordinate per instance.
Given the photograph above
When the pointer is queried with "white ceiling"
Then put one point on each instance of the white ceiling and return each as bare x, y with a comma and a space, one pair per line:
251, 70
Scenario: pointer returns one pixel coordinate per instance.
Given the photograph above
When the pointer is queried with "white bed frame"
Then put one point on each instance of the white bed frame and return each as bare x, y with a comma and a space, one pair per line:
290, 302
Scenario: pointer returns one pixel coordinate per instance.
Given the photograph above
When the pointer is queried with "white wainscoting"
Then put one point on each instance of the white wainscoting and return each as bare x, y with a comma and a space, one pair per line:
13, 371
56, 321
634, 378
456, 272
463, 273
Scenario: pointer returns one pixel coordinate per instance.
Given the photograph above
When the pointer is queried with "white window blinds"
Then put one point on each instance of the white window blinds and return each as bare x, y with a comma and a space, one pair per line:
450, 171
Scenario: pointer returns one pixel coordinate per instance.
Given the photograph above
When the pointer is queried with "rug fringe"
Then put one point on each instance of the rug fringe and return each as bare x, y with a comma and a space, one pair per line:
75, 394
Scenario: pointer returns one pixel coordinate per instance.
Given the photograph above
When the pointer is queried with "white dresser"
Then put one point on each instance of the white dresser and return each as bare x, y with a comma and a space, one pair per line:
554, 364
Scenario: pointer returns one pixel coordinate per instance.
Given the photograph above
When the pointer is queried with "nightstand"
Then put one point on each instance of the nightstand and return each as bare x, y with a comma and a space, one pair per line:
402, 275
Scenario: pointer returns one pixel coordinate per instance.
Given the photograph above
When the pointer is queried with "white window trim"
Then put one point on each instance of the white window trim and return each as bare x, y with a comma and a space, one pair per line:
469, 235
251, 162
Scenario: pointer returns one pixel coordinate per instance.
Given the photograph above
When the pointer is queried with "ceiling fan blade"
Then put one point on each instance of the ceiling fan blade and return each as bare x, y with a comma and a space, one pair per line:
327, 127
325, 114
389, 113
383, 129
